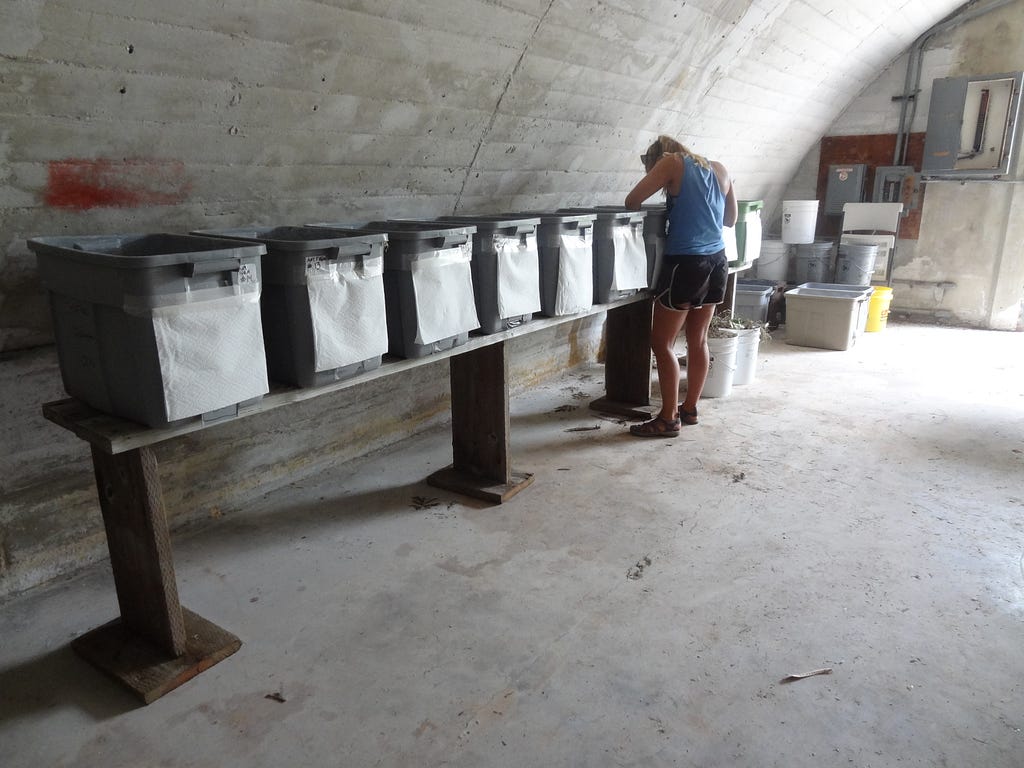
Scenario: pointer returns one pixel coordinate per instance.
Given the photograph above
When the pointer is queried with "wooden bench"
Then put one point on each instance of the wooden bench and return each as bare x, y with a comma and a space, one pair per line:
156, 644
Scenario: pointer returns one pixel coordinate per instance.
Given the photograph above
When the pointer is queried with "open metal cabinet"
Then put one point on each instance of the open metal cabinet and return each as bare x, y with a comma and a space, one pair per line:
873, 224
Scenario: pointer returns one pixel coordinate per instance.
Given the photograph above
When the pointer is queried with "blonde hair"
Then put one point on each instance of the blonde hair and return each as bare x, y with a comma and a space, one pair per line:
666, 145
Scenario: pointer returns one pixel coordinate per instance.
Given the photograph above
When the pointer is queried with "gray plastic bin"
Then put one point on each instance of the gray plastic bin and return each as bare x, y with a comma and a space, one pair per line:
156, 328
752, 301
506, 269
620, 252
655, 232
323, 310
565, 244
428, 285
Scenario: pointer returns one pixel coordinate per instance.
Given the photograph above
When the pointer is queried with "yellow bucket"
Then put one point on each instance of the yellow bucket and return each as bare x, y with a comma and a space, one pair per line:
878, 309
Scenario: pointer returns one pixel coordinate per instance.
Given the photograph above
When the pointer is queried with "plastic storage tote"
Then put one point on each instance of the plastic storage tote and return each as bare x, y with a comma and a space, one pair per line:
323, 301
428, 285
752, 301
620, 254
863, 290
655, 228
565, 244
506, 269
823, 319
156, 328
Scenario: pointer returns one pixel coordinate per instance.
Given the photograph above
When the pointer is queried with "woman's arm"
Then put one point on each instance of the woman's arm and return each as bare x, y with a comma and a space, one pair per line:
732, 209
658, 178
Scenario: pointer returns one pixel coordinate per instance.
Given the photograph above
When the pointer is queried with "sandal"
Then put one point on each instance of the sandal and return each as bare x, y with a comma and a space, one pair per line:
656, 427
689, 418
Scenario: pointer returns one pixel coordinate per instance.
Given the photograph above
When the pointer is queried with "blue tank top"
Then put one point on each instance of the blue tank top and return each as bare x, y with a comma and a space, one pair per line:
695, 216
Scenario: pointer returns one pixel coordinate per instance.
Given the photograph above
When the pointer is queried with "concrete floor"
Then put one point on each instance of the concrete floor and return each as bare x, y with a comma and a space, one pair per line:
638, 605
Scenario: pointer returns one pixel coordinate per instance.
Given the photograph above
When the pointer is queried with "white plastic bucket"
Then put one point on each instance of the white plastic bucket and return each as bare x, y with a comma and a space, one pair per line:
748, 342
722, 369
799, 219
774, 261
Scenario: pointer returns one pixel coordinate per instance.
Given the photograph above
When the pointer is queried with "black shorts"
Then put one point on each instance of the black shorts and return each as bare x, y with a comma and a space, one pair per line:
691, 281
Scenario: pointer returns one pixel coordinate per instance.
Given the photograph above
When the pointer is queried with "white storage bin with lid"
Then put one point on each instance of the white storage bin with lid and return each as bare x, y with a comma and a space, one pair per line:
822, 318
156, 328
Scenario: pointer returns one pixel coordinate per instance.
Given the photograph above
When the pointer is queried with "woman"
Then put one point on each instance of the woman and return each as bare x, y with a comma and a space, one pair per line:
700, 201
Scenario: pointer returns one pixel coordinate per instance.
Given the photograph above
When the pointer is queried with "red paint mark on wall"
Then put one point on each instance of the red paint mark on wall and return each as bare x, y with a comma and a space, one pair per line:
106, 183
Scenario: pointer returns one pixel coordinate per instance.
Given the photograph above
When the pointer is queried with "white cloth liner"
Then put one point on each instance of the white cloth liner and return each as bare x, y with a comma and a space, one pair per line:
518, 275
630, 269
442, 285
575, 289
210, 350
752, 244
346, 302
731, 249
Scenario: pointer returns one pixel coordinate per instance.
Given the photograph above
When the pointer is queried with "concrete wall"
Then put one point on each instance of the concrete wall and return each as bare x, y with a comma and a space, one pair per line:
170, 117
968, 264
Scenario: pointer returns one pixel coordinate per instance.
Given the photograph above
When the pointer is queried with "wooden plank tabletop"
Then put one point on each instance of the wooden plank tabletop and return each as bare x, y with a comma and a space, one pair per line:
114, 435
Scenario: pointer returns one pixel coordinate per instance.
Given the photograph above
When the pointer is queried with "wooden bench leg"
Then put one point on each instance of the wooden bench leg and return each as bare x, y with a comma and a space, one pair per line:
156, 645
627, 368
482, 465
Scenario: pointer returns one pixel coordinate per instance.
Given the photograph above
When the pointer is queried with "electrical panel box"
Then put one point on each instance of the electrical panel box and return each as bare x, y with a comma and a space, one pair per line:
845, 185
972, 124
894, 184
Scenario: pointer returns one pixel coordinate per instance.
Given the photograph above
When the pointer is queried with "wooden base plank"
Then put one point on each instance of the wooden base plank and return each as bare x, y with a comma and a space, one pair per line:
451, 479
629, 410
146, 671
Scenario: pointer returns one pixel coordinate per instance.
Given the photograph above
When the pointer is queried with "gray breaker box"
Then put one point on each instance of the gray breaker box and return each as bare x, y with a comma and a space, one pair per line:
417, 249
296, 256
109, 294
486, 287
608, 219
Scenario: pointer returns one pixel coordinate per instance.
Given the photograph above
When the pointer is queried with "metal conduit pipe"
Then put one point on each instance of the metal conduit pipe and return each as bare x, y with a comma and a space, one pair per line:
914, 62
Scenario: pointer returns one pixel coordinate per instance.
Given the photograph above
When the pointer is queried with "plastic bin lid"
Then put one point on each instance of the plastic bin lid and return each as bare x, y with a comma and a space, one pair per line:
754, 289
558, 216
493, 221
826, 294
416, 229
609, 212
836, 287
143, 251
297, 238
757, 282
749, 205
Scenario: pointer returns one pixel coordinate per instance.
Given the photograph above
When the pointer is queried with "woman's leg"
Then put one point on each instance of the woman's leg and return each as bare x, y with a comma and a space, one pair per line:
697, 356
664, 331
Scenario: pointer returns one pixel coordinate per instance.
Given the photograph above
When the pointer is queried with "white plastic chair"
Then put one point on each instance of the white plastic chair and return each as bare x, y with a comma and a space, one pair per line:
873, 224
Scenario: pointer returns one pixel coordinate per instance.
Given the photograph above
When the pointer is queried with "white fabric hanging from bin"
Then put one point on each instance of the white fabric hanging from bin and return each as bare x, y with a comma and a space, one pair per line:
575, 290
518, 275
442, 285
346, 302
211, 352
630, 270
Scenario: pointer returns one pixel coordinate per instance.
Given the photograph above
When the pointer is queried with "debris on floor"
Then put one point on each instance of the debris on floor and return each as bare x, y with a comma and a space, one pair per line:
637, 571
424, 502
802, 675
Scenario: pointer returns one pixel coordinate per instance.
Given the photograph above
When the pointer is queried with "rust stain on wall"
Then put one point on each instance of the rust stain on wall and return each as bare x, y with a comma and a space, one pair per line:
81, 184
